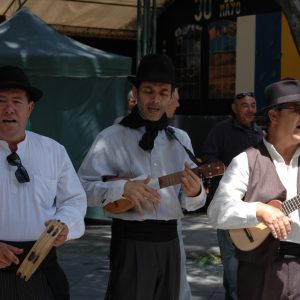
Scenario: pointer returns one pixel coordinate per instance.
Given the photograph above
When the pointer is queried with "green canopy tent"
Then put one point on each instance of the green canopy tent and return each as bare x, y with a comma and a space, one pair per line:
84, 88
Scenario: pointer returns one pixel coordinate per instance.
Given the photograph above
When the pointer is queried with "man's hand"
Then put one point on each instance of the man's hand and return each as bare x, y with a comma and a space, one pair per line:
278, 223
8, 255
191, 183
62, 236
142, 195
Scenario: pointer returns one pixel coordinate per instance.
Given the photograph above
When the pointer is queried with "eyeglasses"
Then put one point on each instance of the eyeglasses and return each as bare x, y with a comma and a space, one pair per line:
295, 109
244, 94
21, 174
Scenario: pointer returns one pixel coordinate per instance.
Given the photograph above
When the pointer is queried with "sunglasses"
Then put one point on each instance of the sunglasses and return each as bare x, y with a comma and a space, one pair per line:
21, 174
245, 94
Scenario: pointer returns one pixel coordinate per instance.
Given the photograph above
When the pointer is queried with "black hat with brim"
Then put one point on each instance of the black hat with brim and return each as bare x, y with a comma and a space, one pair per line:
14, 77
154, 68
281, 92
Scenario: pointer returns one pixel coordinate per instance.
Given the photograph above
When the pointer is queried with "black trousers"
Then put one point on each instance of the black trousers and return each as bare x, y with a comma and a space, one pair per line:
144, 269
14, 288
49, 282
279, 279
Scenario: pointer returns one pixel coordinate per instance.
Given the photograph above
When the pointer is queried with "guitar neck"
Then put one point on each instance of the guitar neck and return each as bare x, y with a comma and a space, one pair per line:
291, 205
210, 170
173, 179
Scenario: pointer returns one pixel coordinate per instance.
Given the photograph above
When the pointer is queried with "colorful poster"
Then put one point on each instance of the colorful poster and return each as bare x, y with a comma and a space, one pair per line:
222, 59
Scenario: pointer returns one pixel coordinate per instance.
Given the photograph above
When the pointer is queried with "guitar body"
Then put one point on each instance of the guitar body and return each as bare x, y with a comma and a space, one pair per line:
119, 206
247, 239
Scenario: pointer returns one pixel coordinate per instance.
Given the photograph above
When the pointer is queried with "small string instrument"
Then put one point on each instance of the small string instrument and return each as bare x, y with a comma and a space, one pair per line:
247, 239
40, 249
204, 171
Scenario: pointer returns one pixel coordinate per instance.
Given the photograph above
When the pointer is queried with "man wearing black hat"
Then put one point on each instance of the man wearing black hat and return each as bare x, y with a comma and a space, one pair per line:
145, 254
269, 265
38, 183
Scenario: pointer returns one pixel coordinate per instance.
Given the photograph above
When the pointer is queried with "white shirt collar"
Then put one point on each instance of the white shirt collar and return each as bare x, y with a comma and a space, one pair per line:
275, 154
21, 145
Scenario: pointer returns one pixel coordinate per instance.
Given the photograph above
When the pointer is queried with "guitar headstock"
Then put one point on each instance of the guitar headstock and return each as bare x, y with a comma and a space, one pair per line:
210, 170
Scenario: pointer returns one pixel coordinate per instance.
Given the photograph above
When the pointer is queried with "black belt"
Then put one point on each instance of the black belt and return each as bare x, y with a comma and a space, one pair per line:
26, 246
289, 250
148, 230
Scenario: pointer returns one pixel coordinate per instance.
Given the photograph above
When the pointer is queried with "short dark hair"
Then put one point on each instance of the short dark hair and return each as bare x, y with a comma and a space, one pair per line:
29, 98
138, 84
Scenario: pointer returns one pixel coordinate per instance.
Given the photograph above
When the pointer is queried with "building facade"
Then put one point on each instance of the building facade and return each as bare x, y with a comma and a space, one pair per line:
222, 47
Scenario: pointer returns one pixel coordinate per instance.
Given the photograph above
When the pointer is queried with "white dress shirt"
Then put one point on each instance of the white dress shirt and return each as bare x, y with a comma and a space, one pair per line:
227, 209
54, 190
115, 152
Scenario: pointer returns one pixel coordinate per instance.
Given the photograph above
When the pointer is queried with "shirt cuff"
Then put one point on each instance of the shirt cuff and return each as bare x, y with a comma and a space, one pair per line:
115, 191
251, 219
194, 203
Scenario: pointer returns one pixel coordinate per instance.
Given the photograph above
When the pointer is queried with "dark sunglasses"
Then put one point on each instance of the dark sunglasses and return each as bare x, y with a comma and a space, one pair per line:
21, 174
242, 95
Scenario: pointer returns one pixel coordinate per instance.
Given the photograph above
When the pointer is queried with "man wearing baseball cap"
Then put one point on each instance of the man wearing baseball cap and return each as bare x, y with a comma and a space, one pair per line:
37, 184
145, 251
269, 171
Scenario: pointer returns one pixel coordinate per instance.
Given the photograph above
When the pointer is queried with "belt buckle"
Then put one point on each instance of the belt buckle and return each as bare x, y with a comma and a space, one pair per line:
288, 256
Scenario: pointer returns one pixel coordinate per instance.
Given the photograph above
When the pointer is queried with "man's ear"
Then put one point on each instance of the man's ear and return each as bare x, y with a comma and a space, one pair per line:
134, 92
233, 107
30, 107
273, 115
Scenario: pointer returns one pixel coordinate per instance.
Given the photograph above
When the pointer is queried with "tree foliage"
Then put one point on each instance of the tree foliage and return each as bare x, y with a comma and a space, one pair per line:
291, 10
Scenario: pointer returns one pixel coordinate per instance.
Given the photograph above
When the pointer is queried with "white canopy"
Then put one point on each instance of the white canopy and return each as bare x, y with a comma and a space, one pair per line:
102, 18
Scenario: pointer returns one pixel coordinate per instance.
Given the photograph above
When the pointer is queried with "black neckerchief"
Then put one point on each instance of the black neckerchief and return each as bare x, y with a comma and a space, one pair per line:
134, 120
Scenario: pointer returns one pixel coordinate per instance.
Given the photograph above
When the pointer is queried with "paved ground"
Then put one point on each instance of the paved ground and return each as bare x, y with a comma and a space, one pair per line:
86, 260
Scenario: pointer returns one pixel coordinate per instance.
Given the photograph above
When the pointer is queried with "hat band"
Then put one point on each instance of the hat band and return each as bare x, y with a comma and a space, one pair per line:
289, 98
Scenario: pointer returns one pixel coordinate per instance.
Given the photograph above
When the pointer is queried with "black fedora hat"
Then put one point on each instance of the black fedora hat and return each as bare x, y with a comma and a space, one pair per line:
154, 68
14, 77
280, 92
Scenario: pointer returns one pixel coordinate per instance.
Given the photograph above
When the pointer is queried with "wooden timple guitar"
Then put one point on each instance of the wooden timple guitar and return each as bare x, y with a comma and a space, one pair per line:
204, 171
247, 239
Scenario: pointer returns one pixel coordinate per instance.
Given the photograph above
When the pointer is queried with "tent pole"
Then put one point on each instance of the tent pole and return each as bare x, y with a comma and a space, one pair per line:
145, 27
154, 27
138, 32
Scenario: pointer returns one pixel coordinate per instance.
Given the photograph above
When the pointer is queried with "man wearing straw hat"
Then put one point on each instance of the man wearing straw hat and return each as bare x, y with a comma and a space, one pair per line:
37, 184
145, 252
270, 171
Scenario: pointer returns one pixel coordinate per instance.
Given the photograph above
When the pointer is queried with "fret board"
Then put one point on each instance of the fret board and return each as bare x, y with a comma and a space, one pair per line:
291, 205
171, 179
204, 171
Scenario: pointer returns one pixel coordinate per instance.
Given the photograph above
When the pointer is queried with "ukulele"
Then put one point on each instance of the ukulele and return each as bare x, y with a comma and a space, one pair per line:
247, 239
204, 171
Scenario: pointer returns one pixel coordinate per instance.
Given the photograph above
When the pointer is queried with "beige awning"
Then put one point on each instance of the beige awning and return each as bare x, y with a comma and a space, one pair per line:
97, 18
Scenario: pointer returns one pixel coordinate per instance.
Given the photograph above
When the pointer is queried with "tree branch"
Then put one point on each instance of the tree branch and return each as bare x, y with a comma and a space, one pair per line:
291, 10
